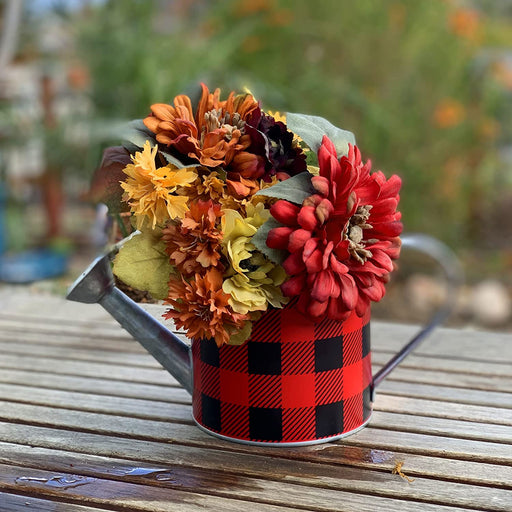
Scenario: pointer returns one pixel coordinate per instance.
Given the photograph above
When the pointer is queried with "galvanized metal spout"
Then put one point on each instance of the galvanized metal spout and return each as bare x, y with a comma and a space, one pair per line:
96, 285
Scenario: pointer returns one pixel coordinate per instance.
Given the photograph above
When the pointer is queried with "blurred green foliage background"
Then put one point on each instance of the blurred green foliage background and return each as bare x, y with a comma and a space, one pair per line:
421, 83
425, 85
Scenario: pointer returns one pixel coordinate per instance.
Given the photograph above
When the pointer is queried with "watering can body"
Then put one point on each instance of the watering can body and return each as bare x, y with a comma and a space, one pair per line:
295, 382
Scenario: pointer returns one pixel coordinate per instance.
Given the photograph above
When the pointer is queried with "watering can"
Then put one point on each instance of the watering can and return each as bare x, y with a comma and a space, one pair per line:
294, 382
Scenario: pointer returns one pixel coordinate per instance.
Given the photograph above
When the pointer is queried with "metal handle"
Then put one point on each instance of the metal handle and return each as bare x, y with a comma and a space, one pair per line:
454, 277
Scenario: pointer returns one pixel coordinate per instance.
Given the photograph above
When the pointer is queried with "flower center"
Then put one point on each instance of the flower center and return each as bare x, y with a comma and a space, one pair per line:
354, 234
217, 119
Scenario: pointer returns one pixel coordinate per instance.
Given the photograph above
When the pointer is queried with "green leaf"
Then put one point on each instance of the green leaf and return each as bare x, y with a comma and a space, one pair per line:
259, 240
175, 161
136, 134
311, 158
142, 263
294, 189
311, 130
105, 184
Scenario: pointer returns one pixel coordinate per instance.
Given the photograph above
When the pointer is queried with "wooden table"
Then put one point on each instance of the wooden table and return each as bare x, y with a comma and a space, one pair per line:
89, 421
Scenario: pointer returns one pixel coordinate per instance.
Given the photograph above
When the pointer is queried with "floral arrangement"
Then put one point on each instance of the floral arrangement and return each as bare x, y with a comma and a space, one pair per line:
238, 210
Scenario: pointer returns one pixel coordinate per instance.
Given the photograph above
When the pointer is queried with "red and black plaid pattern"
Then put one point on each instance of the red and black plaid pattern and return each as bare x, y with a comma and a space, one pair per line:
293, 381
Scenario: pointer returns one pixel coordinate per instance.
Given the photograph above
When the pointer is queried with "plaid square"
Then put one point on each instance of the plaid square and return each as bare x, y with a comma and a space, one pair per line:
235, 420
298, 390
352, 323
210, 412
366, 339
367, 370
265, 424
328, 329
210, 352
234, 357
329, 386
209, 379
264, 358
353, 379
352, 347
352, 413
234, 387
265, 390
328, 354
295, 328
299, 424
298, 358
329, 419
267, 329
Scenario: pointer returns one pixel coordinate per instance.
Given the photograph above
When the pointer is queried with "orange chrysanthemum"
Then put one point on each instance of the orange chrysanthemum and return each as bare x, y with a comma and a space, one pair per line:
202, 309
193, 244
214, 135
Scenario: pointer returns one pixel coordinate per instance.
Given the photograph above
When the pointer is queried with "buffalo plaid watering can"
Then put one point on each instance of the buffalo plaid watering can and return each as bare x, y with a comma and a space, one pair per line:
294, 382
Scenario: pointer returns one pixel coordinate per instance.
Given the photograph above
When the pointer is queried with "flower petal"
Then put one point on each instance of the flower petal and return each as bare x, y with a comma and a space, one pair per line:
285, 212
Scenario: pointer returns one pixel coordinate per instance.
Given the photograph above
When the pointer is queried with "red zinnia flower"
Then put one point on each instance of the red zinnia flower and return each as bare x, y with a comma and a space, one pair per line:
342, 240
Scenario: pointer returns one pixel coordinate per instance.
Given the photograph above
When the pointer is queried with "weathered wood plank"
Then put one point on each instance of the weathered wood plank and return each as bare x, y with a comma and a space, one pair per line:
445, 342
375, 438
447, 394
179, 411
152, 392
102, 355
133, 407
17, 503
88, 369
96, 386
280, 478
37, 414
179, 395
63, 339
446, 364
436, 409
134, 497
459, 380
29, 393
206, 454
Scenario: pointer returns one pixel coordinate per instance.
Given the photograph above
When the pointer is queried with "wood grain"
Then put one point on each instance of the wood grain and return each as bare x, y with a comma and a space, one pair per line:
82, 402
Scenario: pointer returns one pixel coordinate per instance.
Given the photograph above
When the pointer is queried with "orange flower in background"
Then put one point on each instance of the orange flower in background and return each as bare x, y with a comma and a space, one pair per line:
202, 309
194, 243
465, 23
214, 135
502, 72
449, 113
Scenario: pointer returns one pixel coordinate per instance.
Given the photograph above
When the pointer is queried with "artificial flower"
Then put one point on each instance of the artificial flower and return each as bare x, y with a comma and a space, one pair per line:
193, 244
341, 241
201, 307
213, 135
251, 279
155, 193
208, 179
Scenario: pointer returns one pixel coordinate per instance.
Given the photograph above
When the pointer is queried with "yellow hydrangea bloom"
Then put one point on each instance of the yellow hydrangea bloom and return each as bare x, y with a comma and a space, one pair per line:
252, 281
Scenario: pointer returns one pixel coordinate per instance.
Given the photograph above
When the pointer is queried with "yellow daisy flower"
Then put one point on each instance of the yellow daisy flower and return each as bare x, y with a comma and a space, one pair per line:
154, 193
